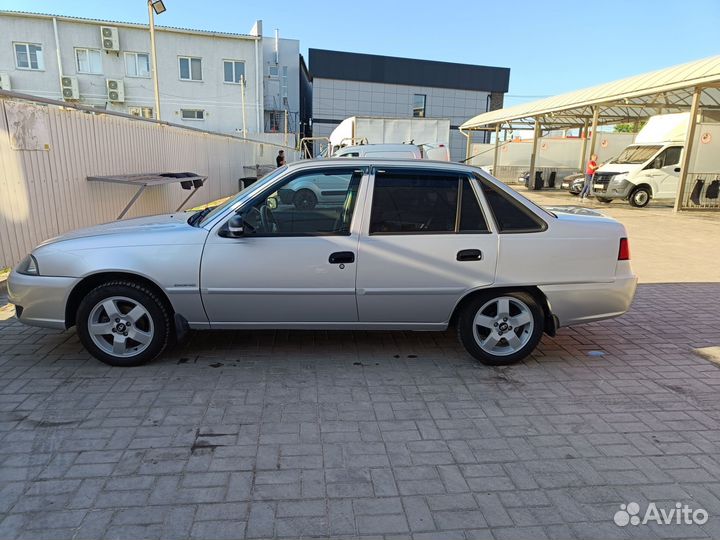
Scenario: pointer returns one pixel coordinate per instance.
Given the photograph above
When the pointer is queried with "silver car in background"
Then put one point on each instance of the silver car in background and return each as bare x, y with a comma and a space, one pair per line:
407, 245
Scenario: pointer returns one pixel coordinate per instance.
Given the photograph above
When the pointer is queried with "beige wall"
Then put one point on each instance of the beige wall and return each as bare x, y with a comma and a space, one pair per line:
46, 153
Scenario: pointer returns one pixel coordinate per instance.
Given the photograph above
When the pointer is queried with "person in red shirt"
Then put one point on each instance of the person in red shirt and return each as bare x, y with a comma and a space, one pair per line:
592, 166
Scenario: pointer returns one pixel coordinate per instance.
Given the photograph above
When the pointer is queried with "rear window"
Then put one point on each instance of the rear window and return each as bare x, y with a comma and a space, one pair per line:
510, 215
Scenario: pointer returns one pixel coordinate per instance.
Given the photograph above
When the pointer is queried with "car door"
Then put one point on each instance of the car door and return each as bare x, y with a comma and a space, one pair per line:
291, 266
669, 172
425, 243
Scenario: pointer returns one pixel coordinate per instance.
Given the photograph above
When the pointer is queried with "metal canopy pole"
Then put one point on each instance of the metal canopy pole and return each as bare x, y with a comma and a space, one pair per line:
689, 140
467, 145
593, 137
533, 156
497, 147
583, 149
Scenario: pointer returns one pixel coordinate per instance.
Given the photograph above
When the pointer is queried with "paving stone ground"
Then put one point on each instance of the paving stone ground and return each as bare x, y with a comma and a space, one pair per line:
387, 434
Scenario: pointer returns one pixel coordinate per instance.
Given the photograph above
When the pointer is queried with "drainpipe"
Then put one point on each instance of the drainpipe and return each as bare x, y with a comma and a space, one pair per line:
258, 105
57, 47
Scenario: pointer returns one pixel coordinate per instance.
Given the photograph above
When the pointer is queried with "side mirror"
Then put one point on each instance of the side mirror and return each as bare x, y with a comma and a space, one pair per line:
235, 227
272, 203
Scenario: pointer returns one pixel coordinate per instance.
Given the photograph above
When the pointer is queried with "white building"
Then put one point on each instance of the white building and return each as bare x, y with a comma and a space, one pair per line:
108, 65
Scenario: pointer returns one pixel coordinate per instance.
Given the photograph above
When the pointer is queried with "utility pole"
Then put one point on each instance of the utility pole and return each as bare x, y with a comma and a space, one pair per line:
156, 86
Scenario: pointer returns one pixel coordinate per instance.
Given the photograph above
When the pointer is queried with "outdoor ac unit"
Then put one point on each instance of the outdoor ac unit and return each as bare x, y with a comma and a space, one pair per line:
69, 87
110, 38
5, 82
115, 90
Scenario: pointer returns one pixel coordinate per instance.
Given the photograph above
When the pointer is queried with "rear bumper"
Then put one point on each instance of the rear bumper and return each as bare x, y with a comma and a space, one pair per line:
579, 303
40, 300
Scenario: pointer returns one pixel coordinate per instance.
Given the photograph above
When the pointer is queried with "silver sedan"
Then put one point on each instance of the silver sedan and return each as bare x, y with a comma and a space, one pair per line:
410, 245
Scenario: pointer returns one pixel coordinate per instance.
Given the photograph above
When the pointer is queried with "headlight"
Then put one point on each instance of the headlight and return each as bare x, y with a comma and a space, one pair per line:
618, 178
29, 266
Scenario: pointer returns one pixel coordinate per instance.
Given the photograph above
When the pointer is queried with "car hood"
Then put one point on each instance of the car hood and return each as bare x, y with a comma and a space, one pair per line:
620, 167
150, 224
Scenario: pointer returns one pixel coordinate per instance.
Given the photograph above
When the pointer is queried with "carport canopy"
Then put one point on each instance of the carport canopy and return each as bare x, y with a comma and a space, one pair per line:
692, 87
627, 100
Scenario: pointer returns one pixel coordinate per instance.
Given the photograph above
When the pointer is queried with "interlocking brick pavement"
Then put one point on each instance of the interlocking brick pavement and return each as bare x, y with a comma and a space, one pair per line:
386, 434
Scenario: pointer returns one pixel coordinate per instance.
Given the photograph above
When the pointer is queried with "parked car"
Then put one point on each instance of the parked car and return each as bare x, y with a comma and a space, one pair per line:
573, 183
412, 245
438, 152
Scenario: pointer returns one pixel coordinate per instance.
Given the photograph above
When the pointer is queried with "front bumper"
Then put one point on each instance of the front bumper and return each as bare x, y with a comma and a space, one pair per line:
40, 300
613, 190
579, 303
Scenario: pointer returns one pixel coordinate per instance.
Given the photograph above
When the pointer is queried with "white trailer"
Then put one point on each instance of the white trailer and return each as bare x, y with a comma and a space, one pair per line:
376, 130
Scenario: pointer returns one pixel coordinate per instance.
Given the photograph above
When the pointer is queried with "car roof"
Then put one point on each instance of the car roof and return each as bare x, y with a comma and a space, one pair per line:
381, 162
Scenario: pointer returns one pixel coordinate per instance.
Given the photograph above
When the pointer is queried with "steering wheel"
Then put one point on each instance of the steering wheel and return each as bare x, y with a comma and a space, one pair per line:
267, 220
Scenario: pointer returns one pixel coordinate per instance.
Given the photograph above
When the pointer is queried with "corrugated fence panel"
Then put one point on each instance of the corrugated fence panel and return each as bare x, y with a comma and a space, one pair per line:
44, 191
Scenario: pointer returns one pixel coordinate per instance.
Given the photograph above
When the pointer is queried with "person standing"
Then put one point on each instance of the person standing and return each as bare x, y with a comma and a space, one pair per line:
280, 159
592, 166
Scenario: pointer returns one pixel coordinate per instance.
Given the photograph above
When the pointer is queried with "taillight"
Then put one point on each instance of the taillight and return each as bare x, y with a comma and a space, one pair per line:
624, 251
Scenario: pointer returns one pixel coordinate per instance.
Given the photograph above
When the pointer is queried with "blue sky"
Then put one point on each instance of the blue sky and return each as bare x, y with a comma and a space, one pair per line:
551, 46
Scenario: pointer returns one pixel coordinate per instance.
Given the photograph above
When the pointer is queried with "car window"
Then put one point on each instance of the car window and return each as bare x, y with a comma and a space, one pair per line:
472, 219
510, 215
310, 203
414, 203
671, 156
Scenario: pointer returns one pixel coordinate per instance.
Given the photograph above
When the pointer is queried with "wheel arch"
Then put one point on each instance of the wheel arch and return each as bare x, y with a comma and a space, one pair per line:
550, 325
88, 283
642, 185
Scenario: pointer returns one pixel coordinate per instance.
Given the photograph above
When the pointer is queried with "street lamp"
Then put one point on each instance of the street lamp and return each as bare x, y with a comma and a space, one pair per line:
155, 7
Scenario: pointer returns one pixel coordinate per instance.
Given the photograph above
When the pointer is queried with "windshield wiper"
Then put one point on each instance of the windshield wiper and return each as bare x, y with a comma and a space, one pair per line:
197, 216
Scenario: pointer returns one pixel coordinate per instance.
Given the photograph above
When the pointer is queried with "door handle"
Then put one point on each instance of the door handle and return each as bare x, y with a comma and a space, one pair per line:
341, 257
469, 255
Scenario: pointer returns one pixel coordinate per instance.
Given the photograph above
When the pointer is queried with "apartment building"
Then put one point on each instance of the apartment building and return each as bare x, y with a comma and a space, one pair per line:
348, 84
107, 64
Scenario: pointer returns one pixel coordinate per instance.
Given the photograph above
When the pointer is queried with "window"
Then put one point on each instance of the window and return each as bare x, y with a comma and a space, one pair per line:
671, 156
312, 203
472, 219
29, 56
137, 64
190, 68
234, 71
273, 71
192, 114
419, 105
89, 61
143, 112
510, 215
636, 154
414, 202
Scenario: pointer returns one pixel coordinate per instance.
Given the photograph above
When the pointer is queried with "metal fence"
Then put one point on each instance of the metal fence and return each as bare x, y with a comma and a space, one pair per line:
47, 150
702, 192
511, 174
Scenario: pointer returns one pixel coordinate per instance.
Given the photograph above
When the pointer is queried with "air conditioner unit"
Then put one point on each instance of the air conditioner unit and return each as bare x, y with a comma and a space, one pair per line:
110, 38
115, 90
5, 82
69, 87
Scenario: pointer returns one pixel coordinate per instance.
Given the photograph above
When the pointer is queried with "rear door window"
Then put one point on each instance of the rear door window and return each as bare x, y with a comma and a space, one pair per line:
407, 202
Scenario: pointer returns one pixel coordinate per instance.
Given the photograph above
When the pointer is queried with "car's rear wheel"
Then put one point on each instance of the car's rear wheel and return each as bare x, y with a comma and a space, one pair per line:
123, 323
640, 197
501, 328
305, 200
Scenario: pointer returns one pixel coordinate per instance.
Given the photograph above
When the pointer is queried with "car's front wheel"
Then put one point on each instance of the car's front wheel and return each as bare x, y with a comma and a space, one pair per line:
501, 328
604, 200
123, 323
640, 197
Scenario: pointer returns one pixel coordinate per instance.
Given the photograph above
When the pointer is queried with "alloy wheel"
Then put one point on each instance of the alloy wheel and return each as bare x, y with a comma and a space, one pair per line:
120, 326
503, 326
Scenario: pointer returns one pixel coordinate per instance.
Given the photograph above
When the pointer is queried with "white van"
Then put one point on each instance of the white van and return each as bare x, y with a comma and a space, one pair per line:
647, 169
438, 152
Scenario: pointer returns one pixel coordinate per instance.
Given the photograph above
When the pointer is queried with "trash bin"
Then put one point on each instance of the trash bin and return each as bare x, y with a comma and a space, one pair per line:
551, 180
539, 184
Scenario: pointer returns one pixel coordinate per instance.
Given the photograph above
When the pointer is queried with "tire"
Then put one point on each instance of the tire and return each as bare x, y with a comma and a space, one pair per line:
574, 193
640, 197
305, 199
122, 323
604, 200
474, 337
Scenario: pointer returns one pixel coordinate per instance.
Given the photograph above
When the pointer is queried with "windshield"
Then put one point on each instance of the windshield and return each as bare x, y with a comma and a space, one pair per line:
637, 154
220, 208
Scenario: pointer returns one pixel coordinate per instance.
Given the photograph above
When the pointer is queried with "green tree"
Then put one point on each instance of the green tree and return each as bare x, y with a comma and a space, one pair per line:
629, 128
